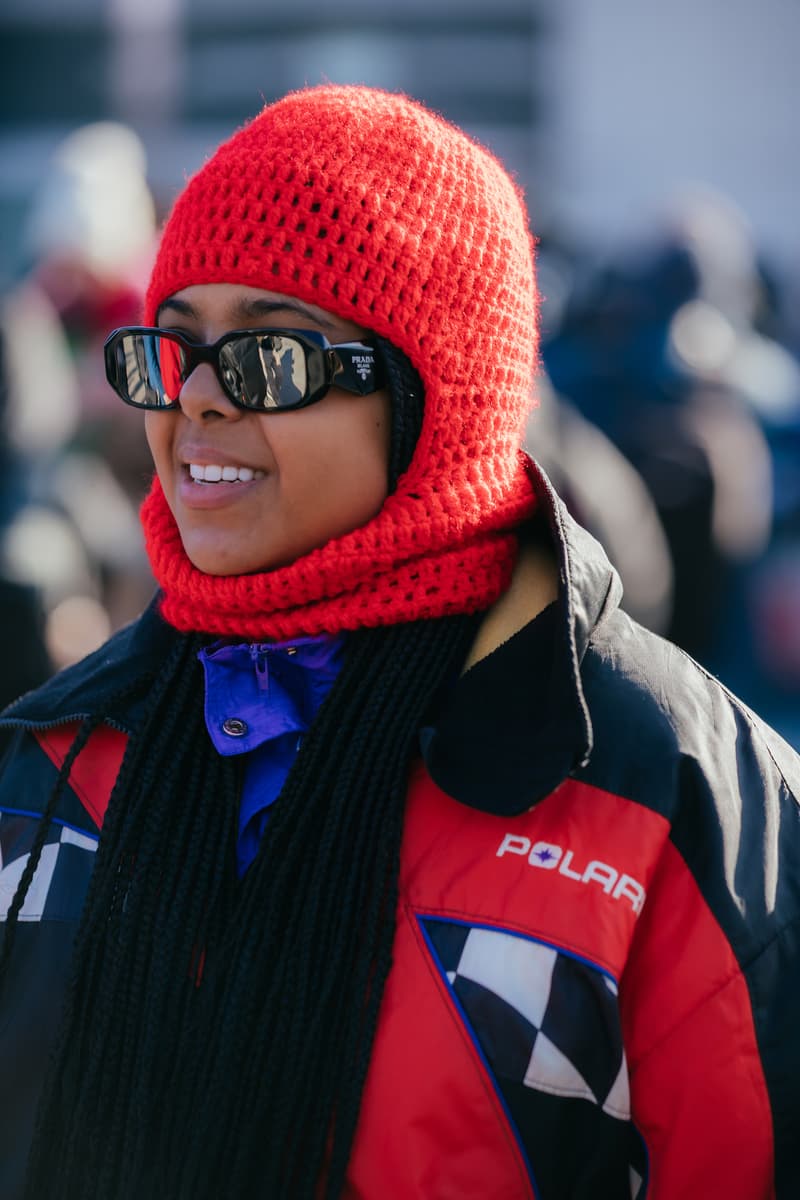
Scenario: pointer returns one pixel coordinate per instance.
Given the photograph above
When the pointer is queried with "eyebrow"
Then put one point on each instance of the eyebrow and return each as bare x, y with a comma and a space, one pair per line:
248, 309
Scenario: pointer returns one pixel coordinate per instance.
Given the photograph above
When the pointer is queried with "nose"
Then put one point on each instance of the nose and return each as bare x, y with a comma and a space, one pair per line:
201, 398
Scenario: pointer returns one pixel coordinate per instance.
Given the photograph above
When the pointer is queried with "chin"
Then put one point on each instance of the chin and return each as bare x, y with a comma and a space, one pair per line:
222, 564
212, 563
217, 556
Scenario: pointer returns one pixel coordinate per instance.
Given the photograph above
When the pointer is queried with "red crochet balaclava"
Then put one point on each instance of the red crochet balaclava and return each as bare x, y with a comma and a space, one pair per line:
368, 205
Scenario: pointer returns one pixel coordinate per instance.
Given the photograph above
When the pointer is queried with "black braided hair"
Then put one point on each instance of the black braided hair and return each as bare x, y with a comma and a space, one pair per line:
218, 1031
406, 391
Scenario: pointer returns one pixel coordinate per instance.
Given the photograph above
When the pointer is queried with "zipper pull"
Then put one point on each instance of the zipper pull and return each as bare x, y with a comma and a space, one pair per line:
259, 656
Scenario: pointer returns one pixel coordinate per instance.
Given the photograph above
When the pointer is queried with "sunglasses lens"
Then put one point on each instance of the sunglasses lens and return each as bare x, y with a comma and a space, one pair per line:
148, 370
259, 371
265, 371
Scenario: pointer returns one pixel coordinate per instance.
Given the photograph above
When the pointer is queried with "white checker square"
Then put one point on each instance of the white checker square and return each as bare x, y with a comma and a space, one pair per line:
36, 898
515, 969
551, 1071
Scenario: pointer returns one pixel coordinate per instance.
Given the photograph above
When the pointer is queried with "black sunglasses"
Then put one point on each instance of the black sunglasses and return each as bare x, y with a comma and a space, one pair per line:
260, 370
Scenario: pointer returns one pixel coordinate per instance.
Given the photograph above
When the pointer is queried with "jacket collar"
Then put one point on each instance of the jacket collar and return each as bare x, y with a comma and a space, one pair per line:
517, 723
130, 656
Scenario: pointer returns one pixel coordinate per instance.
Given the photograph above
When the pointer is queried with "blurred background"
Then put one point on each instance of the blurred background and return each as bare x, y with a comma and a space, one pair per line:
658, 151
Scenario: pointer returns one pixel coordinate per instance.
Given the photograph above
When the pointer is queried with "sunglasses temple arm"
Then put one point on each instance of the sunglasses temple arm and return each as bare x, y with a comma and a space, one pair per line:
357, 369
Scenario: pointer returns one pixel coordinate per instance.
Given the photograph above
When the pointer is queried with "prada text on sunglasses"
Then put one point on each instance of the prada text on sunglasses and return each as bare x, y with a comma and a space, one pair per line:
261, 370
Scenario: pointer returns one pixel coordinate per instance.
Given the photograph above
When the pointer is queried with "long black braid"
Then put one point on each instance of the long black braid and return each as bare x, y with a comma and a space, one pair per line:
218, 1031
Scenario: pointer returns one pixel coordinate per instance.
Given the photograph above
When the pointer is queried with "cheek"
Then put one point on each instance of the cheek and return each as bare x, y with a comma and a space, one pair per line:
372, 436
157, 431
382, 429
361, 456
336, 461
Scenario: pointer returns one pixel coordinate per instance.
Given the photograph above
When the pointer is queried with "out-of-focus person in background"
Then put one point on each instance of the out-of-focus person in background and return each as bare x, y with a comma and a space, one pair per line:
70, 530
23, 653
660, 347
607, 495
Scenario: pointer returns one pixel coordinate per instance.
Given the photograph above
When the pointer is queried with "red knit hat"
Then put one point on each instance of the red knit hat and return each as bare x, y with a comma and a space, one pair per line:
368, 205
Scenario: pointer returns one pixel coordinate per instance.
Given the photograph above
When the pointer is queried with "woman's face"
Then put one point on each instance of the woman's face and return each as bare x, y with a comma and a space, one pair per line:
317, 472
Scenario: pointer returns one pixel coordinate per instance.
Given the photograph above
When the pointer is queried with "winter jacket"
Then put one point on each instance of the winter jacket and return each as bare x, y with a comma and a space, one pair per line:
596, 964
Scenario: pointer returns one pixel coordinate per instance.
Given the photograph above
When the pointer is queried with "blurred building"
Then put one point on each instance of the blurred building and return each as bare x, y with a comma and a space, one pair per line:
183, 73
601, 109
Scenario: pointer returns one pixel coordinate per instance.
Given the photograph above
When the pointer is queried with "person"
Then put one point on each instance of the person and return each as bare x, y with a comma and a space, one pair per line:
384, 855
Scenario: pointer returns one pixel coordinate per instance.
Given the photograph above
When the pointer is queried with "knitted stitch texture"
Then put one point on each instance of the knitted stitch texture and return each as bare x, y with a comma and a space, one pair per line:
369, 205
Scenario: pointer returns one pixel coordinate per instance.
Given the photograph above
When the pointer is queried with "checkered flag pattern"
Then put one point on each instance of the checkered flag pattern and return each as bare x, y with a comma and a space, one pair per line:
543, 1019
62, 876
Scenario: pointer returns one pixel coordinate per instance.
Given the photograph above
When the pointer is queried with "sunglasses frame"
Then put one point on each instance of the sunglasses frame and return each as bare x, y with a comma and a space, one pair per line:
352, 366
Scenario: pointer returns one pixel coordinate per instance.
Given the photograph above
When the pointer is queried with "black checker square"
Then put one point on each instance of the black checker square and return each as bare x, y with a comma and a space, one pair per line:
575, 1150
449, 938
507, 1039
582, 1021
17, 835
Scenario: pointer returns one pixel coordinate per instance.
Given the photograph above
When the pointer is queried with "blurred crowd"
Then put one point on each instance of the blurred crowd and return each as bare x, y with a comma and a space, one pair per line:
669, 422
75, 461
680, 353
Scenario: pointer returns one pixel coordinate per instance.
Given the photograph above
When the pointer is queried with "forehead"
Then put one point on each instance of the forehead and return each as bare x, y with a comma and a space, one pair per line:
231, 306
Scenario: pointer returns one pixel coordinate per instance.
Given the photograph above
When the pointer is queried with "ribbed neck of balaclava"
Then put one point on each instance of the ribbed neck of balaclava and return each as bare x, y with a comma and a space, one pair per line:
370, 206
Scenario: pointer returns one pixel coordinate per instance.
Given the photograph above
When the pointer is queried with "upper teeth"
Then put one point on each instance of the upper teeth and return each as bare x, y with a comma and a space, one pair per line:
215, 473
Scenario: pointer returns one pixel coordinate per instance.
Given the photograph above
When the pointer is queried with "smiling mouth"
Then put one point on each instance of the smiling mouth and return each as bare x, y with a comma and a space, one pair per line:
214, 473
